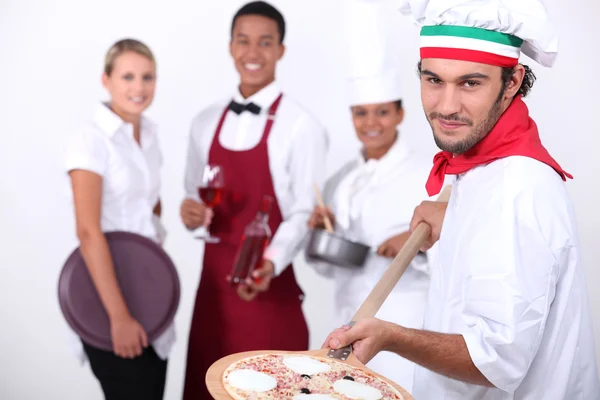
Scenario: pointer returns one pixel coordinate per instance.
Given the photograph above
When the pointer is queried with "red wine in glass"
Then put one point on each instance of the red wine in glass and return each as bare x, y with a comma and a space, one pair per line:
211, 193
211, 196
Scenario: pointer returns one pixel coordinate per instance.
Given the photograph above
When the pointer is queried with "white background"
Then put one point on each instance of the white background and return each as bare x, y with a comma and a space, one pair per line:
51, 56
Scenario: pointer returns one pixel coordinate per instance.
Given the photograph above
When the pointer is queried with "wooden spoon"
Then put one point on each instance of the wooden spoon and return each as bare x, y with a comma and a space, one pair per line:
328, 224
369, 308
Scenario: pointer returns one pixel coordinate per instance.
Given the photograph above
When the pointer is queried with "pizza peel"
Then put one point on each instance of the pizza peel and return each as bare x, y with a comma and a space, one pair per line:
369, 308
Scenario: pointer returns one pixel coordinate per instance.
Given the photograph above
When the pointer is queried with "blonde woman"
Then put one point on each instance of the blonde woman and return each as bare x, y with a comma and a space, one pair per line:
114, 164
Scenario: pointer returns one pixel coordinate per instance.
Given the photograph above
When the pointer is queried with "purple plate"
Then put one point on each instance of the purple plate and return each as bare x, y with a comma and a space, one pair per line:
147, 278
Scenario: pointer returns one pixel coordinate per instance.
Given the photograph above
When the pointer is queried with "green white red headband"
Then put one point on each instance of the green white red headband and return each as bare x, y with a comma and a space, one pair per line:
470, 44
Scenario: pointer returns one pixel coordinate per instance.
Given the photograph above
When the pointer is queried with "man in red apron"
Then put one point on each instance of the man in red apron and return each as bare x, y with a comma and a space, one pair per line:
267, 145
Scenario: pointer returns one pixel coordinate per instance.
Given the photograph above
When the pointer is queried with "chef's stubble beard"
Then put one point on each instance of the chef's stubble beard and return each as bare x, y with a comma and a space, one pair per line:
478, 132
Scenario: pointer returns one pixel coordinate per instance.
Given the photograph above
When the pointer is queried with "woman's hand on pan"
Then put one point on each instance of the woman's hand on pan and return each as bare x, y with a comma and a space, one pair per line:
317, 218
392, 246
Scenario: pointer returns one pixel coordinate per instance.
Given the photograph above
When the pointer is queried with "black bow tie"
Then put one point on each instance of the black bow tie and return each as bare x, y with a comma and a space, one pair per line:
239, 108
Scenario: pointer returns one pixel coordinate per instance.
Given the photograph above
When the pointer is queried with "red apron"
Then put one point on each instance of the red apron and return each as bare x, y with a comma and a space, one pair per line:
223, 323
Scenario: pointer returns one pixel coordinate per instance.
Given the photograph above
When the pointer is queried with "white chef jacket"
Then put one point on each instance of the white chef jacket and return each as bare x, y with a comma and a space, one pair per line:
373, 201
130, 182
297, 146
510, 280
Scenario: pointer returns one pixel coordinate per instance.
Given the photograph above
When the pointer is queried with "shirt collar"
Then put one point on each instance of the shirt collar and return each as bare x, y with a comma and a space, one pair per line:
263, 98
107, 120
110, 123
396, 153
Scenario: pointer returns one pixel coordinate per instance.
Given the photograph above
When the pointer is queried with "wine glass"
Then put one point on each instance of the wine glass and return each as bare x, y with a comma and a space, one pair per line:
211, 193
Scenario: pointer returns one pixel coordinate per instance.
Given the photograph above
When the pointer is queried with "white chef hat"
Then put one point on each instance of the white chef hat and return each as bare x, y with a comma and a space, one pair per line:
486, 31
372, 73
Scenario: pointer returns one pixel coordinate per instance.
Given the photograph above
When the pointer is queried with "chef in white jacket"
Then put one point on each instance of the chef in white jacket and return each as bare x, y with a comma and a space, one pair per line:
508, 313
371, 199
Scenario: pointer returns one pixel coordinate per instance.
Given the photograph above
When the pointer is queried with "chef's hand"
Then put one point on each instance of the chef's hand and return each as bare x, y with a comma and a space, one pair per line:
128, 337
368, 337
431, 212
317, 219
194, 214
392, 246
258, 282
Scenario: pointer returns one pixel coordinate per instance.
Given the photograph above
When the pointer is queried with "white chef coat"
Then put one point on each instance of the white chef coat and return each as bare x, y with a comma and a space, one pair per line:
510, 280
297, 146
130, 182
373, 201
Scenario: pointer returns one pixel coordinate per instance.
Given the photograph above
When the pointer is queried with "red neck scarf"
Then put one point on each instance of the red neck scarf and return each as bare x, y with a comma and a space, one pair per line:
515, 134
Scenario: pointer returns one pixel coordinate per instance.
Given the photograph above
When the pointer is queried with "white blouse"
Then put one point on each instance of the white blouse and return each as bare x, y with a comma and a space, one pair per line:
130, 181
297, 146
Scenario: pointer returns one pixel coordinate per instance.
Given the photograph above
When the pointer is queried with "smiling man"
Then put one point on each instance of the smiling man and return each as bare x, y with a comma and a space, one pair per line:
267, 144
508, 312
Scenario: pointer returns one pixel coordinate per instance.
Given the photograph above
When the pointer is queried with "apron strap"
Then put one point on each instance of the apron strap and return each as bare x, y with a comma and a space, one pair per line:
268, 125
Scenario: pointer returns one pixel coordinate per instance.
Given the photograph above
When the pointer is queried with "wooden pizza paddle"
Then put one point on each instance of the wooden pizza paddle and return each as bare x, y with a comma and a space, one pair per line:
369, 308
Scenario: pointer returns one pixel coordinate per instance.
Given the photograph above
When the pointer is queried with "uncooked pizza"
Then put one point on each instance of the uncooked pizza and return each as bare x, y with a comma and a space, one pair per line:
298, 377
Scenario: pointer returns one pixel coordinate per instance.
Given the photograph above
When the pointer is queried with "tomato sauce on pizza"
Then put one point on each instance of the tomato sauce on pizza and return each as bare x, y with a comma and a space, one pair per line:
297, 377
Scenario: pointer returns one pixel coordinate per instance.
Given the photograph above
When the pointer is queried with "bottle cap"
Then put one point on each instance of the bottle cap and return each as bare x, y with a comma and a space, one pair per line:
266, 204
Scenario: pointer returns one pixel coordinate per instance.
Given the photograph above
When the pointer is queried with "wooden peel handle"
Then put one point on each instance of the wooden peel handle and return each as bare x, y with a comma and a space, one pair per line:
394, 272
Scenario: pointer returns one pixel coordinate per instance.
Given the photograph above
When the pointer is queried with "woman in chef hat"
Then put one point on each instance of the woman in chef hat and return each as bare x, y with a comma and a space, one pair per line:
371, 199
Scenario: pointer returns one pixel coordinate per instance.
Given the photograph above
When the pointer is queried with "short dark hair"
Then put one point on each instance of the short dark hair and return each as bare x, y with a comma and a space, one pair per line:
398, 104
507, 73
526, 84
263, 9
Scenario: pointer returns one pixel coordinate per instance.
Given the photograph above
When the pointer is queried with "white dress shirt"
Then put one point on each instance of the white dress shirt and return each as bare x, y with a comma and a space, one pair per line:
510, 280
373, 201
130, 182
297, 146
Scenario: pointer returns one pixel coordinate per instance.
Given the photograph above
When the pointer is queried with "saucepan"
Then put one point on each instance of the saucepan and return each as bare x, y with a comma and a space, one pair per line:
331, 247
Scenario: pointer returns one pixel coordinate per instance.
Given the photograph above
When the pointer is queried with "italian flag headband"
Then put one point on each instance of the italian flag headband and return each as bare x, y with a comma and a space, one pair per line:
470, 44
